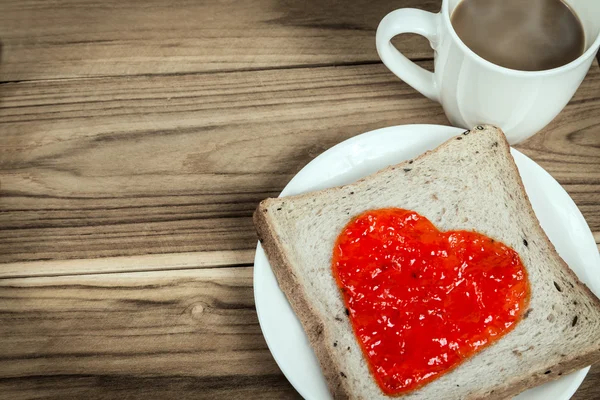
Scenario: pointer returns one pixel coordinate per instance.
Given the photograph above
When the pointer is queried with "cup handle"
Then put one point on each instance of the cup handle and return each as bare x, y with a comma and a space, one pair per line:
408, 20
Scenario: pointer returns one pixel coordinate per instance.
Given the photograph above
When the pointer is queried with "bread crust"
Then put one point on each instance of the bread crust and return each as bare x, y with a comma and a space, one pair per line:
316, 328
289, 284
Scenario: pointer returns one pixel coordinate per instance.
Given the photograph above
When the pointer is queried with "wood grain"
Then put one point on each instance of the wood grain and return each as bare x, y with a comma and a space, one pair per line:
83, 38
148, 262
176, 334
112, 167
125, 166
136, 139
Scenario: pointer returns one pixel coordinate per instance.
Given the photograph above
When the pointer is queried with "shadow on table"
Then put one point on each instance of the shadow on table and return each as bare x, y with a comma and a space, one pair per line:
358, 18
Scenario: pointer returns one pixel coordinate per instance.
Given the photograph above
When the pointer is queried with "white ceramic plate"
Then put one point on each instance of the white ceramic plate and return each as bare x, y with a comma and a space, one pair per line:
368, 153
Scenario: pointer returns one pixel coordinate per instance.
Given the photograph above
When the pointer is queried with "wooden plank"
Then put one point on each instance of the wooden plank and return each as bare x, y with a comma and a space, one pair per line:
85, 38
125, 166
175, 334
79, 386
150, 262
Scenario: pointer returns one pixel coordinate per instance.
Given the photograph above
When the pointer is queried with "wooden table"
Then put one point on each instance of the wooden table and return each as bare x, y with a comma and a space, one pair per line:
136, 139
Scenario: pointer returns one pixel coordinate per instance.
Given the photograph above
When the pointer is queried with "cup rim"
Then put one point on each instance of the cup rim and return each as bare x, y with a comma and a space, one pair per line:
515, 72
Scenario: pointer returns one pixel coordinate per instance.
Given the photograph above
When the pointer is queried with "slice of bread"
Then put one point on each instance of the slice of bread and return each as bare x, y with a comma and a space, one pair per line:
468, 183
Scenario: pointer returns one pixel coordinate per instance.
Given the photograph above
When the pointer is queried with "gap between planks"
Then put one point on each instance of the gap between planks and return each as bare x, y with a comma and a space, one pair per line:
219, 71
121, 264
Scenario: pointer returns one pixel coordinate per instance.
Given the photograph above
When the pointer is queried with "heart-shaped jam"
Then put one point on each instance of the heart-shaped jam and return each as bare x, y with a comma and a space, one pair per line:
422, 301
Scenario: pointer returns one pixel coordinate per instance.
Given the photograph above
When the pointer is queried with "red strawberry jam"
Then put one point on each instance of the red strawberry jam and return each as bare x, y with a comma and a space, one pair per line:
423, 301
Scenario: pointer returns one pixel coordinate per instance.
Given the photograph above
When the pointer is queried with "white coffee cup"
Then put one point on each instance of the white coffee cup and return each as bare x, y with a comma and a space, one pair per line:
472, 90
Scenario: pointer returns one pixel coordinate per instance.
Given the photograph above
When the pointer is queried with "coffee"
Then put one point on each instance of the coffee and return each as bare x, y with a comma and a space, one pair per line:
528, 35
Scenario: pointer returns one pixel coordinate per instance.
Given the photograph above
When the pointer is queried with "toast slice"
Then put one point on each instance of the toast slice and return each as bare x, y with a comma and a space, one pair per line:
468, 183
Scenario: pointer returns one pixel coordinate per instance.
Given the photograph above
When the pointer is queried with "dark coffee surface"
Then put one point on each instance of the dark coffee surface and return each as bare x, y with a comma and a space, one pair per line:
528, 35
